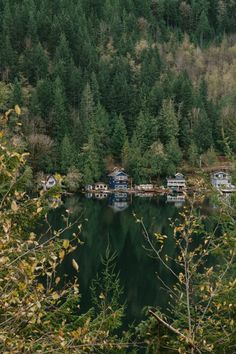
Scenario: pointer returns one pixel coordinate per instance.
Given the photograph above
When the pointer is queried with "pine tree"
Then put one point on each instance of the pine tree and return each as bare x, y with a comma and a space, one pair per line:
143, 131
118, 138
89, 162
126, 154
60, 117
67, 155
203, 28
87, 110
100, 129
193, 154
136, 160
17, 94
168, 121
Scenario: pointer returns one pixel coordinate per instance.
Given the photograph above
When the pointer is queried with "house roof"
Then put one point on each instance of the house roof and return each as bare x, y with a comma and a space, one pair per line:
220, 172
117, 172
51, 177
179, 175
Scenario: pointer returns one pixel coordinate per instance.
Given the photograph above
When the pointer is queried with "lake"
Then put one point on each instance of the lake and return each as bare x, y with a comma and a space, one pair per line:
110, 221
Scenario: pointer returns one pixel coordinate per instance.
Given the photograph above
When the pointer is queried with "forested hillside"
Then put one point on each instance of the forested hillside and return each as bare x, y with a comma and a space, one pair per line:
142, 83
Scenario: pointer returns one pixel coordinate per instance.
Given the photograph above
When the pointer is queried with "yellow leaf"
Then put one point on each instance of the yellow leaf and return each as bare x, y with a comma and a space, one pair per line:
55, 296
66, 243
75, 265
62, 254
14, 206
17, 110
39, 210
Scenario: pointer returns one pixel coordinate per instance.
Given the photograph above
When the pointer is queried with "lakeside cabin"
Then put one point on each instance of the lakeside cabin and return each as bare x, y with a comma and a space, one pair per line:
178, 183
222, 181
100, 186
118, 180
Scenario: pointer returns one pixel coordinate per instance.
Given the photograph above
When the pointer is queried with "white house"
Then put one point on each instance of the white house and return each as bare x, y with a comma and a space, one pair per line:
222, 181
177, 183
100, 186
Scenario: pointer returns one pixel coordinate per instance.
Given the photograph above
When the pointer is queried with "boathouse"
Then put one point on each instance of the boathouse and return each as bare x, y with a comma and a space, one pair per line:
221, 180
177, 183
118, 179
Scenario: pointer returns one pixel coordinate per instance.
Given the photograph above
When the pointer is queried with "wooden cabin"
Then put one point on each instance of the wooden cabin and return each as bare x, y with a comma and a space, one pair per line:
177, 183
118, 180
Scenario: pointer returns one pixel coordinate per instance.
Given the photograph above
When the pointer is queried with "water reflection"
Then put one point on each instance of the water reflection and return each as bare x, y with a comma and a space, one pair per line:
103, 225
118, 201
178, 199
108, 219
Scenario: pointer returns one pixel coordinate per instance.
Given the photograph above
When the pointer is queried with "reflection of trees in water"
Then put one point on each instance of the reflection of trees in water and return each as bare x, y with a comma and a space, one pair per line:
137, 269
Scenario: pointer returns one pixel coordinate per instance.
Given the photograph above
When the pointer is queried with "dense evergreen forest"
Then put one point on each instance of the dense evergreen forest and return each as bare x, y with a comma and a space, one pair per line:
142, 83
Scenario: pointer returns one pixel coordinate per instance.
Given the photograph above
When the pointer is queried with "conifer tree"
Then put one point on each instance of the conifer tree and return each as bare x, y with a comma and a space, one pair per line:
119, 136
60, 118
87, 109
168, 121
89, 162
142, 130
67, 154
126, 154
17, 95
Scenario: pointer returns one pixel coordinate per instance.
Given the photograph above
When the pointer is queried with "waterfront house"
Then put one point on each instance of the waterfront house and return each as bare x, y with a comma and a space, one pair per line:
118, 179
100, 186
177, 183
222, 181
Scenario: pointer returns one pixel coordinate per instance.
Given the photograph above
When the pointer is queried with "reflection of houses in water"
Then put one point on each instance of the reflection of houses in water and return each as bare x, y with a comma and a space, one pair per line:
177, 199
118, 201
100, 195
177, 183
89, 195
96, 195
145, 194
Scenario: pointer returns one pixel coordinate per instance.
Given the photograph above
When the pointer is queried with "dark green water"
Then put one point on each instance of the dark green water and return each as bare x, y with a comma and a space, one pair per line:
103, 224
